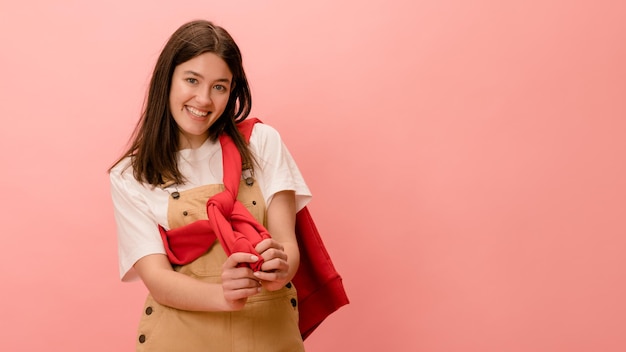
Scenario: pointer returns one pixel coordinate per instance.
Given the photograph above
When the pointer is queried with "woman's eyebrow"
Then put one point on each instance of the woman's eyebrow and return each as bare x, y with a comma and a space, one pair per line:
196, 74
193, 73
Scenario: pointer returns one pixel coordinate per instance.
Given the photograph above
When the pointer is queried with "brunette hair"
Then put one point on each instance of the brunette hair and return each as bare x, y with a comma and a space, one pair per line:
155, 139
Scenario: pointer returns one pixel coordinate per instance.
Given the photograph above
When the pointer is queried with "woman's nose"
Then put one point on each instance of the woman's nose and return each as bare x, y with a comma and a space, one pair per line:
204, 96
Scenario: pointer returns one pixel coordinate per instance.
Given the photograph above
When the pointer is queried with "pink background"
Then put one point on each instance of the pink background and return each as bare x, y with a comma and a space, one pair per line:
468, 160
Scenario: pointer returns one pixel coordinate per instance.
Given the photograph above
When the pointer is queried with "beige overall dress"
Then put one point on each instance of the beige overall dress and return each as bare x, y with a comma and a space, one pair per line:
268, 322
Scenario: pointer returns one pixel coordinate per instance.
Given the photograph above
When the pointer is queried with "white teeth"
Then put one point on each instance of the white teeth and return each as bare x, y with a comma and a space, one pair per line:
197, 112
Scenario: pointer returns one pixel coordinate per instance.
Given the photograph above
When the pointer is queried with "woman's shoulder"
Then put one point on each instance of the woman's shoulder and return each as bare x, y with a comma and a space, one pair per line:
264, 132
122, 175
122, 168
122, 180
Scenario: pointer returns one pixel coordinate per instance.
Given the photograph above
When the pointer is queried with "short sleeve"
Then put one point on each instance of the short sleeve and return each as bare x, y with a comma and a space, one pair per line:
137, 230
276, 170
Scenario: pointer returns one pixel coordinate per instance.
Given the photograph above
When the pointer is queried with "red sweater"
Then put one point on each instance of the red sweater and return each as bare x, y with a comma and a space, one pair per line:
320, 289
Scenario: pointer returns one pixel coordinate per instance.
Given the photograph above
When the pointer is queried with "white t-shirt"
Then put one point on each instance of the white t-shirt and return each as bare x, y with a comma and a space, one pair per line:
140, 208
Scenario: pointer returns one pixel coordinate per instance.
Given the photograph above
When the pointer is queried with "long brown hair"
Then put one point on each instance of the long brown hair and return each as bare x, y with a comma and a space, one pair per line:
155, 140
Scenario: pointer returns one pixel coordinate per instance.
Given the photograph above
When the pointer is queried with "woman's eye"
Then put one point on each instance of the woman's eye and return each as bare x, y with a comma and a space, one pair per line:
220, 88
191, 80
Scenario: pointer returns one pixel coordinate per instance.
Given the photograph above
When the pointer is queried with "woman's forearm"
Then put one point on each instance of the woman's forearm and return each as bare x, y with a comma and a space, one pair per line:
176, 290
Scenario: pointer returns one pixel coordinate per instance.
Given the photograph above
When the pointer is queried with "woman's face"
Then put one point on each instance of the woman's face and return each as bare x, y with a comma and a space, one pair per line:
198, 96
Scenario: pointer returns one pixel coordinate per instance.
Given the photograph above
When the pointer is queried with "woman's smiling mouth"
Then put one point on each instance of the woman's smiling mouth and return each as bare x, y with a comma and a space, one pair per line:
196, 112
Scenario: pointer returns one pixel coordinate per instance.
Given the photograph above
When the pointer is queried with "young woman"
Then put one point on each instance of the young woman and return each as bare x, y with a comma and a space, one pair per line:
208, 301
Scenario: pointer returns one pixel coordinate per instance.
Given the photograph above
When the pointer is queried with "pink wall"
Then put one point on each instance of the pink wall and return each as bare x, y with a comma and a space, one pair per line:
468, 160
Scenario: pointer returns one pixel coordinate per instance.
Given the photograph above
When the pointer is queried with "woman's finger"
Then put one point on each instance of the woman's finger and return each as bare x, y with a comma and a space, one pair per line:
234, 259
267, 244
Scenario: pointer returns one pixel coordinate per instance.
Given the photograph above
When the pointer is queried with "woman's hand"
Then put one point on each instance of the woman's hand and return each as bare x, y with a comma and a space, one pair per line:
274, 272
239, 283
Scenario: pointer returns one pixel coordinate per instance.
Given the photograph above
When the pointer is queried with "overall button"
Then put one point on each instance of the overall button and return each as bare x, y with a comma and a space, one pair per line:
148, 310
185, 213
294, 302
288, 285
175, 195
254, 202
142, 338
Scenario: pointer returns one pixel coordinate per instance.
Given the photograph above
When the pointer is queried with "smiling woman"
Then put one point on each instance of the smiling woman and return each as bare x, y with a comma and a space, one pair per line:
198, 97
198, 52
203, 296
